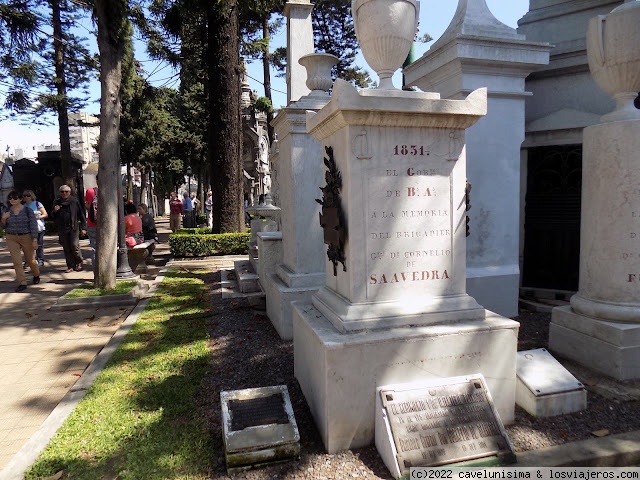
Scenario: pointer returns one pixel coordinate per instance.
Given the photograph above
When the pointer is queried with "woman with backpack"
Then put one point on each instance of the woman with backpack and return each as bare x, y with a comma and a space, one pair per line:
29, 198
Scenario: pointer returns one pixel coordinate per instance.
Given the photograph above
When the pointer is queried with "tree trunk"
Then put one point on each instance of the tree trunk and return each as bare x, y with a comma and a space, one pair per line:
224, 132
61, 89
109, 183
266, 74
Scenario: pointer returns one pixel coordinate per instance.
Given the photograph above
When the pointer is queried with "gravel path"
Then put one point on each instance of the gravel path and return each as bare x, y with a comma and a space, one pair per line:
248, 353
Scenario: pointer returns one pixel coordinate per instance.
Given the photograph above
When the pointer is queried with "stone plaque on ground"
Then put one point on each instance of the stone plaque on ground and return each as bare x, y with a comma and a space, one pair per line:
440, 422
258, 427
545, 388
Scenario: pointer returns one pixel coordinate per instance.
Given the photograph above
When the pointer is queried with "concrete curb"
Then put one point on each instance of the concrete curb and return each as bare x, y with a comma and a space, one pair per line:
131, 298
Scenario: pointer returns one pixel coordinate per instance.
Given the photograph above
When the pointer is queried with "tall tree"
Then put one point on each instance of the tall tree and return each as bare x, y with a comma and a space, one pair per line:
18, 33
151, 133
114, 35
259, 22
71, 63
43, 71
225, 135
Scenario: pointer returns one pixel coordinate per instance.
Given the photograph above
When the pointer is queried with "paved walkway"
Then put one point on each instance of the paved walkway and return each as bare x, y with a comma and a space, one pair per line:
43, 352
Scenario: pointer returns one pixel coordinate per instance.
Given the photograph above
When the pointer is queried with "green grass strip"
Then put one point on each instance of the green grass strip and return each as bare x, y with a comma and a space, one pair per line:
140, 418
88, 290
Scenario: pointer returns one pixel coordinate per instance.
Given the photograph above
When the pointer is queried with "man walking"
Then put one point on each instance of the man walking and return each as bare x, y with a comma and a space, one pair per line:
70, 220
187, 210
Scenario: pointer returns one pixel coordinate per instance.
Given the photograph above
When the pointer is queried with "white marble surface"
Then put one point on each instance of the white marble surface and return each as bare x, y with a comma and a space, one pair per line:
610, 224
545, 388
404, 203
608, 347
339, 373
299, 43
476, 51
385, 30
270, 250
300, 270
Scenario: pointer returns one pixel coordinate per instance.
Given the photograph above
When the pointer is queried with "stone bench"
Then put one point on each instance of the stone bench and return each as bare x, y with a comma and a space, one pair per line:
138, 253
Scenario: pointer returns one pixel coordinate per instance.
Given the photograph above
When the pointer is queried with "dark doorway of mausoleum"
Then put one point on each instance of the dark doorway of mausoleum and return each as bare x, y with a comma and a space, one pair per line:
552, 218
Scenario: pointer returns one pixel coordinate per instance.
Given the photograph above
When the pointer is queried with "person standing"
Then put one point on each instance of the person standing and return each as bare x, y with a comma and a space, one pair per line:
70, 221
91, 206
197, 206
29, 198
208, 208
187, 210
175, 212
21, 229
149, 231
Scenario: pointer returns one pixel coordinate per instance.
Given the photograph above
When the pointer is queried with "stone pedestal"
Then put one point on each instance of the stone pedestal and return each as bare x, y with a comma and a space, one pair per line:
270, 248
299, 171
601, 329
339, 373
394, 306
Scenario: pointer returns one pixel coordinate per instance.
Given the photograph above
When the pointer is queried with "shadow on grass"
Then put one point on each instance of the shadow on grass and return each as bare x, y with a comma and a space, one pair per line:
140, 418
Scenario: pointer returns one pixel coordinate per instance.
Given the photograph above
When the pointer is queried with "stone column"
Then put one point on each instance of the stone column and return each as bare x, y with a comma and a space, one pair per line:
300, 171
477, 51
299, 43
601, 328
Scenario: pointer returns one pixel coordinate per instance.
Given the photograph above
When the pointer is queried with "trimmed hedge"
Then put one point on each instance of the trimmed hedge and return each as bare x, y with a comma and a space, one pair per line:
200, 242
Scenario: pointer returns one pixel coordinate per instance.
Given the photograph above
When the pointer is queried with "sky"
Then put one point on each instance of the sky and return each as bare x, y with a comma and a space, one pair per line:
435, 17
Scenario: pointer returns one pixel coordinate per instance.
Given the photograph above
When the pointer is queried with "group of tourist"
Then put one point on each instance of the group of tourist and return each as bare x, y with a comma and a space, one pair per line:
182, 213
23, 222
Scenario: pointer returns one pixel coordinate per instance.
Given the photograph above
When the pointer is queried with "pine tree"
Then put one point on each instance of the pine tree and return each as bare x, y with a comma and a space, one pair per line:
225, 134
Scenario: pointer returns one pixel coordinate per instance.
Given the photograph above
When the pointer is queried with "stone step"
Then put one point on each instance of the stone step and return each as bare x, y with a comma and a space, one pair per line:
246, 276
540, 305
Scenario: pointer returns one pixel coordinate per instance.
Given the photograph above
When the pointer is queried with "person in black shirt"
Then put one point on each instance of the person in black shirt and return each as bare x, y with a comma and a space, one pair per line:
69, 218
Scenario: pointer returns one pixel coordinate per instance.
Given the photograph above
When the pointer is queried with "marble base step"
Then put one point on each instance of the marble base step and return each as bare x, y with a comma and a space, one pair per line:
246, 276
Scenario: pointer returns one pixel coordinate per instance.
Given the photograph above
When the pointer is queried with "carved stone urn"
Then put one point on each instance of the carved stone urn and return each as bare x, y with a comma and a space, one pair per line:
318, 66
385, 30
613, 50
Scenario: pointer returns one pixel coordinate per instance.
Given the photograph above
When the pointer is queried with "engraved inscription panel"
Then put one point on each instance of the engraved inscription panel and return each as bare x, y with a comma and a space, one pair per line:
253, 412
409, 230
444, 424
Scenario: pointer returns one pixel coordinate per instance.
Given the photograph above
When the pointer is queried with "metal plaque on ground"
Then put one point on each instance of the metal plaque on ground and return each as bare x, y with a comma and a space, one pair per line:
441, 422
258, 427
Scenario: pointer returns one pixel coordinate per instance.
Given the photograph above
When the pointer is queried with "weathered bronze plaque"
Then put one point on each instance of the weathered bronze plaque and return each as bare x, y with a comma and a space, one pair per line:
445, 423
252, 412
